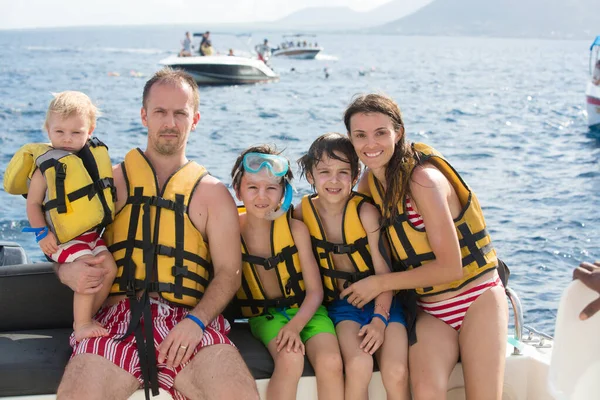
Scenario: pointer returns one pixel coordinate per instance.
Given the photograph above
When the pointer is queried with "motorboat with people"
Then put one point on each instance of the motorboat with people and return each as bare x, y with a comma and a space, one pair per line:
222, 69
37, 321
298, 47
592, 92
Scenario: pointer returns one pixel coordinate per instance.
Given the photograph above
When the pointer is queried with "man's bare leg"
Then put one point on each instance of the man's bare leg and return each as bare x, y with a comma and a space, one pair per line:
217, 372
90, 377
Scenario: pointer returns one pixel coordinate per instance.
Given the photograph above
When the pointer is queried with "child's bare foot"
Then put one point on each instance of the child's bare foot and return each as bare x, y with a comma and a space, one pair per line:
88, 330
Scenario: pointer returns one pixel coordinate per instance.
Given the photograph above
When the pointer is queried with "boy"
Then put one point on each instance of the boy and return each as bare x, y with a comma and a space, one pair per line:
281, 291
345, 235
69, 198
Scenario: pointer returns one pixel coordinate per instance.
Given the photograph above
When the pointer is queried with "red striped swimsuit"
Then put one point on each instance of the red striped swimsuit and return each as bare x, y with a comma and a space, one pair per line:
453, 310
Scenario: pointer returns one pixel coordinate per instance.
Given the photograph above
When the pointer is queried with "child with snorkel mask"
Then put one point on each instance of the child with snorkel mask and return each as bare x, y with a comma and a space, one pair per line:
281, 290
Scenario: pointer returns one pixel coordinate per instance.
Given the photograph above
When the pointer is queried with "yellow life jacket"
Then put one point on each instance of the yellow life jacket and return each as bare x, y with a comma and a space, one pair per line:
251, 295
155, 245
410, 245
355, 244
80, 188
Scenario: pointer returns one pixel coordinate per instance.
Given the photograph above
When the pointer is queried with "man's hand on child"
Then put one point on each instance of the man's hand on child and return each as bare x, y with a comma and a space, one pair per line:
373, 335
289, 337
83, 276
48, 244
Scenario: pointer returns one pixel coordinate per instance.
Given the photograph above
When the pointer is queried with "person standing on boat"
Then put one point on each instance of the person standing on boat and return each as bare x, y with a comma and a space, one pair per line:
264, 51
186, 51
441, 249
176, 243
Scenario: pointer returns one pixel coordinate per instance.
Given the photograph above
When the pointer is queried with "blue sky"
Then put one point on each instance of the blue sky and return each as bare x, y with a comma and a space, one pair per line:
54, 13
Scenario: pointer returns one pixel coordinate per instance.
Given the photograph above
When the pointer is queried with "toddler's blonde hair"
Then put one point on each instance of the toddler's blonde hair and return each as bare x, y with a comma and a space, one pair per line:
69, 103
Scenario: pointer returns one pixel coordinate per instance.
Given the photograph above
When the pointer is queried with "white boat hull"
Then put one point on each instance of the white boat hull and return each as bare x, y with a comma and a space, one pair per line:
592, 95
223, 70
298, 53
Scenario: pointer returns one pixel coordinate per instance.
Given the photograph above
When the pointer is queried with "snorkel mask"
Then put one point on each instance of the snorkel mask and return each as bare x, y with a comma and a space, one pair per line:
275, 166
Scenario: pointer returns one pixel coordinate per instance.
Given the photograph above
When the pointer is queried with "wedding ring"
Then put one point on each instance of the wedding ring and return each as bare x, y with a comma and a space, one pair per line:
183, 347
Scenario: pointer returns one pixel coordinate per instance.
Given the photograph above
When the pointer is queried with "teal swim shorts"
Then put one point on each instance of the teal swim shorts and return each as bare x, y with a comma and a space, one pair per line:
266, 327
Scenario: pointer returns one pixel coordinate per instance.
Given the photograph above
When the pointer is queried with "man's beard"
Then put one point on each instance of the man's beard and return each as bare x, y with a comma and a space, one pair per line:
168, 148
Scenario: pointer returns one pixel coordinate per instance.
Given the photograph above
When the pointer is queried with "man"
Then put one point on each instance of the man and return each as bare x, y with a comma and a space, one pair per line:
172, 218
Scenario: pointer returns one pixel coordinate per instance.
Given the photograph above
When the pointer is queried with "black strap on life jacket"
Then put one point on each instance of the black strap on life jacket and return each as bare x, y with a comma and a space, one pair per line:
141, 308
59, 181
469, 240
360, 246
96, 187
293, 283
286, 255
128, 283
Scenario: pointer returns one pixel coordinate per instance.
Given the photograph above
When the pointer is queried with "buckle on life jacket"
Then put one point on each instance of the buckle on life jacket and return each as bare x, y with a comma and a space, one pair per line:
272, 262
95, 142
342, 248
130, 289
61, 171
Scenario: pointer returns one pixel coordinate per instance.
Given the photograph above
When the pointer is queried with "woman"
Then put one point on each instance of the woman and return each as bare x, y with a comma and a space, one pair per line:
440, 248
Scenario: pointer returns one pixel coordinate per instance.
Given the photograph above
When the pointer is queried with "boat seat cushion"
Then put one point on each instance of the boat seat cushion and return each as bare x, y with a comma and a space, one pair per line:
33, 361
37, 316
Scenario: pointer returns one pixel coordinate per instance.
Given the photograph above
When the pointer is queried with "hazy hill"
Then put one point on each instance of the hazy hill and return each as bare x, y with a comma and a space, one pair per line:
529, 18
344, 18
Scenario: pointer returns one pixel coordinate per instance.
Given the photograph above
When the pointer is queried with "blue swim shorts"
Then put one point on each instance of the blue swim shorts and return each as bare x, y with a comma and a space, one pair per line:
340, 310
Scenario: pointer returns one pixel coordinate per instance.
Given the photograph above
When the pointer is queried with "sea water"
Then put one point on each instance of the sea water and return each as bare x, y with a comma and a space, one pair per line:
509, 114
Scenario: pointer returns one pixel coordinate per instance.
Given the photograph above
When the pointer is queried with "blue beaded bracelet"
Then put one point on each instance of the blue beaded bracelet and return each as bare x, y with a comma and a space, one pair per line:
381, 317
197, 320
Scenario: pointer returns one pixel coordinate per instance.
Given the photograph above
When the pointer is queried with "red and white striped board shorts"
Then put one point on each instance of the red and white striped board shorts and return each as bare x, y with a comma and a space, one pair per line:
124, 354
89, 243
453, 310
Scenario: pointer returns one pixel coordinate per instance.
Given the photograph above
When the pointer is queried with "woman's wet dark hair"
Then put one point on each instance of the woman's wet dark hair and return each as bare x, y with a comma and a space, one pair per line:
327, 145
397, 171
238, 170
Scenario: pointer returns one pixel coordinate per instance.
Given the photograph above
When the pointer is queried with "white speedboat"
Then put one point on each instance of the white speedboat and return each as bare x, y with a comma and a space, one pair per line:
592, 92
37, 317
223, 70
297, 47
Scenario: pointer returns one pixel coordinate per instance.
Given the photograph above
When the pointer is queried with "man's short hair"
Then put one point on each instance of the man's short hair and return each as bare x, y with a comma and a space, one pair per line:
69, 103
172, 76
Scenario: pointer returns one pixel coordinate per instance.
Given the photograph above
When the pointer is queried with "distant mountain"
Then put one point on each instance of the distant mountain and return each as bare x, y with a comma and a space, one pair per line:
344, 18
505, 18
